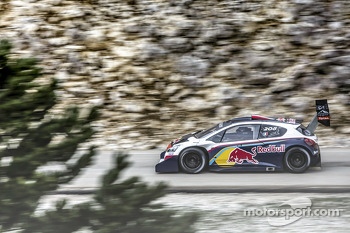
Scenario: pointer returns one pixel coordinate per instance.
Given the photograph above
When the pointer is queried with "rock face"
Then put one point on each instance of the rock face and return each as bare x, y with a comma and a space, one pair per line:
161, 68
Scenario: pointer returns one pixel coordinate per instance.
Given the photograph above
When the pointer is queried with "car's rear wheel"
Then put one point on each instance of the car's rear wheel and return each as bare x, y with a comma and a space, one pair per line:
297, 160
192, 160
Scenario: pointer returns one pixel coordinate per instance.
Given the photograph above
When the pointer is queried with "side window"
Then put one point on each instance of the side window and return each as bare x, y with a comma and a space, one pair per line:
216, 137
271, 131
241, 133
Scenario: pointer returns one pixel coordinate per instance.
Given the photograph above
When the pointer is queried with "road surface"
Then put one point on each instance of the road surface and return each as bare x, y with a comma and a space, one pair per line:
333, 177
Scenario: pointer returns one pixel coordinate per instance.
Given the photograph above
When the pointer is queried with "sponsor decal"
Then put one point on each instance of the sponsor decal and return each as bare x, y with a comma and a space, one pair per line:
287, 120
221, 157
271, 149
239, 155
323, 118
323, 115
269, 128
235, 155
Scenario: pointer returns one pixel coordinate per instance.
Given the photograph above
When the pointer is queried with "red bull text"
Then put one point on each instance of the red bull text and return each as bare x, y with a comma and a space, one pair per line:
271, 149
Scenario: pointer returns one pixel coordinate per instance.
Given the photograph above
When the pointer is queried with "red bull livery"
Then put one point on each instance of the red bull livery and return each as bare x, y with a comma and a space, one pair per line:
255, 143
239, 155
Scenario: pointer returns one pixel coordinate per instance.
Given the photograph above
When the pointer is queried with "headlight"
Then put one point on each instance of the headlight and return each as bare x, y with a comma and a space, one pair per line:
173, 148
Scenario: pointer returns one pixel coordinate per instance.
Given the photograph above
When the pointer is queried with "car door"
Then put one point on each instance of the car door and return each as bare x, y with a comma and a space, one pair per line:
235, 146
273, 144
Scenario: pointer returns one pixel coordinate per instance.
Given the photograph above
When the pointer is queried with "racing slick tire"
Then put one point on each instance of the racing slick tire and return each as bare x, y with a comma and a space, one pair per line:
192, 160
296, 160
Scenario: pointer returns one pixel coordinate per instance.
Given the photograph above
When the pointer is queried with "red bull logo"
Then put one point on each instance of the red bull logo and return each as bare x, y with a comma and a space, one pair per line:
238, 156
271, 149
231, 155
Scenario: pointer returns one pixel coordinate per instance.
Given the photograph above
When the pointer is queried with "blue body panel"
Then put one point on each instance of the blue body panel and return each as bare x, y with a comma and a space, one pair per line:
168, 166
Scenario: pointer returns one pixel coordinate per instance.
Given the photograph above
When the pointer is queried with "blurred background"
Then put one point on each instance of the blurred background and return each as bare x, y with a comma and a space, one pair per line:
162, 68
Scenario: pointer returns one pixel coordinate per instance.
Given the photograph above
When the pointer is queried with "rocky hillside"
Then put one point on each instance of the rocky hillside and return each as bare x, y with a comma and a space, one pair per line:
161, 68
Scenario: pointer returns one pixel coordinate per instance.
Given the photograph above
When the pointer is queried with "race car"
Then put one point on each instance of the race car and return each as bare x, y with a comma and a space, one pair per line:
255, 143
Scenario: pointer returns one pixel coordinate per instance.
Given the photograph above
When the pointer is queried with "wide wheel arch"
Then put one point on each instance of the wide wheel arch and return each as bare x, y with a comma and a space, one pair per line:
203, 152
299, 153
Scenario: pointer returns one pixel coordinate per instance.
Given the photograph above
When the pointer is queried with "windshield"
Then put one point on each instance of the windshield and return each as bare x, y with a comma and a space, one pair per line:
215, 128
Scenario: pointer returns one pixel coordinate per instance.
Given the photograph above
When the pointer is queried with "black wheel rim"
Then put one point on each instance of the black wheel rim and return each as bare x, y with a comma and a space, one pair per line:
297, 160
192, 161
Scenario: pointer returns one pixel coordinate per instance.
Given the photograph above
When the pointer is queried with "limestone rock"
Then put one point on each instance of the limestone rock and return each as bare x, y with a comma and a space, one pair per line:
153, 66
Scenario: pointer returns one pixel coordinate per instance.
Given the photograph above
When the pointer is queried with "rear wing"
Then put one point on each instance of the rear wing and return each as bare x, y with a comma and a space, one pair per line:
322, 116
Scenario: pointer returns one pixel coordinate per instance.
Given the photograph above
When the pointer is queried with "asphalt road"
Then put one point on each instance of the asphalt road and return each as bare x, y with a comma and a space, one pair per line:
333, 177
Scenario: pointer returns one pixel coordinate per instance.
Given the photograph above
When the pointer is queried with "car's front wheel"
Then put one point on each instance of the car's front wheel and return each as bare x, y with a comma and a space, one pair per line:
192, 160
297, 160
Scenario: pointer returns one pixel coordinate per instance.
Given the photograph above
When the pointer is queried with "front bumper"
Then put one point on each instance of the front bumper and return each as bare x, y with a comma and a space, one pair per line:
167, 166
